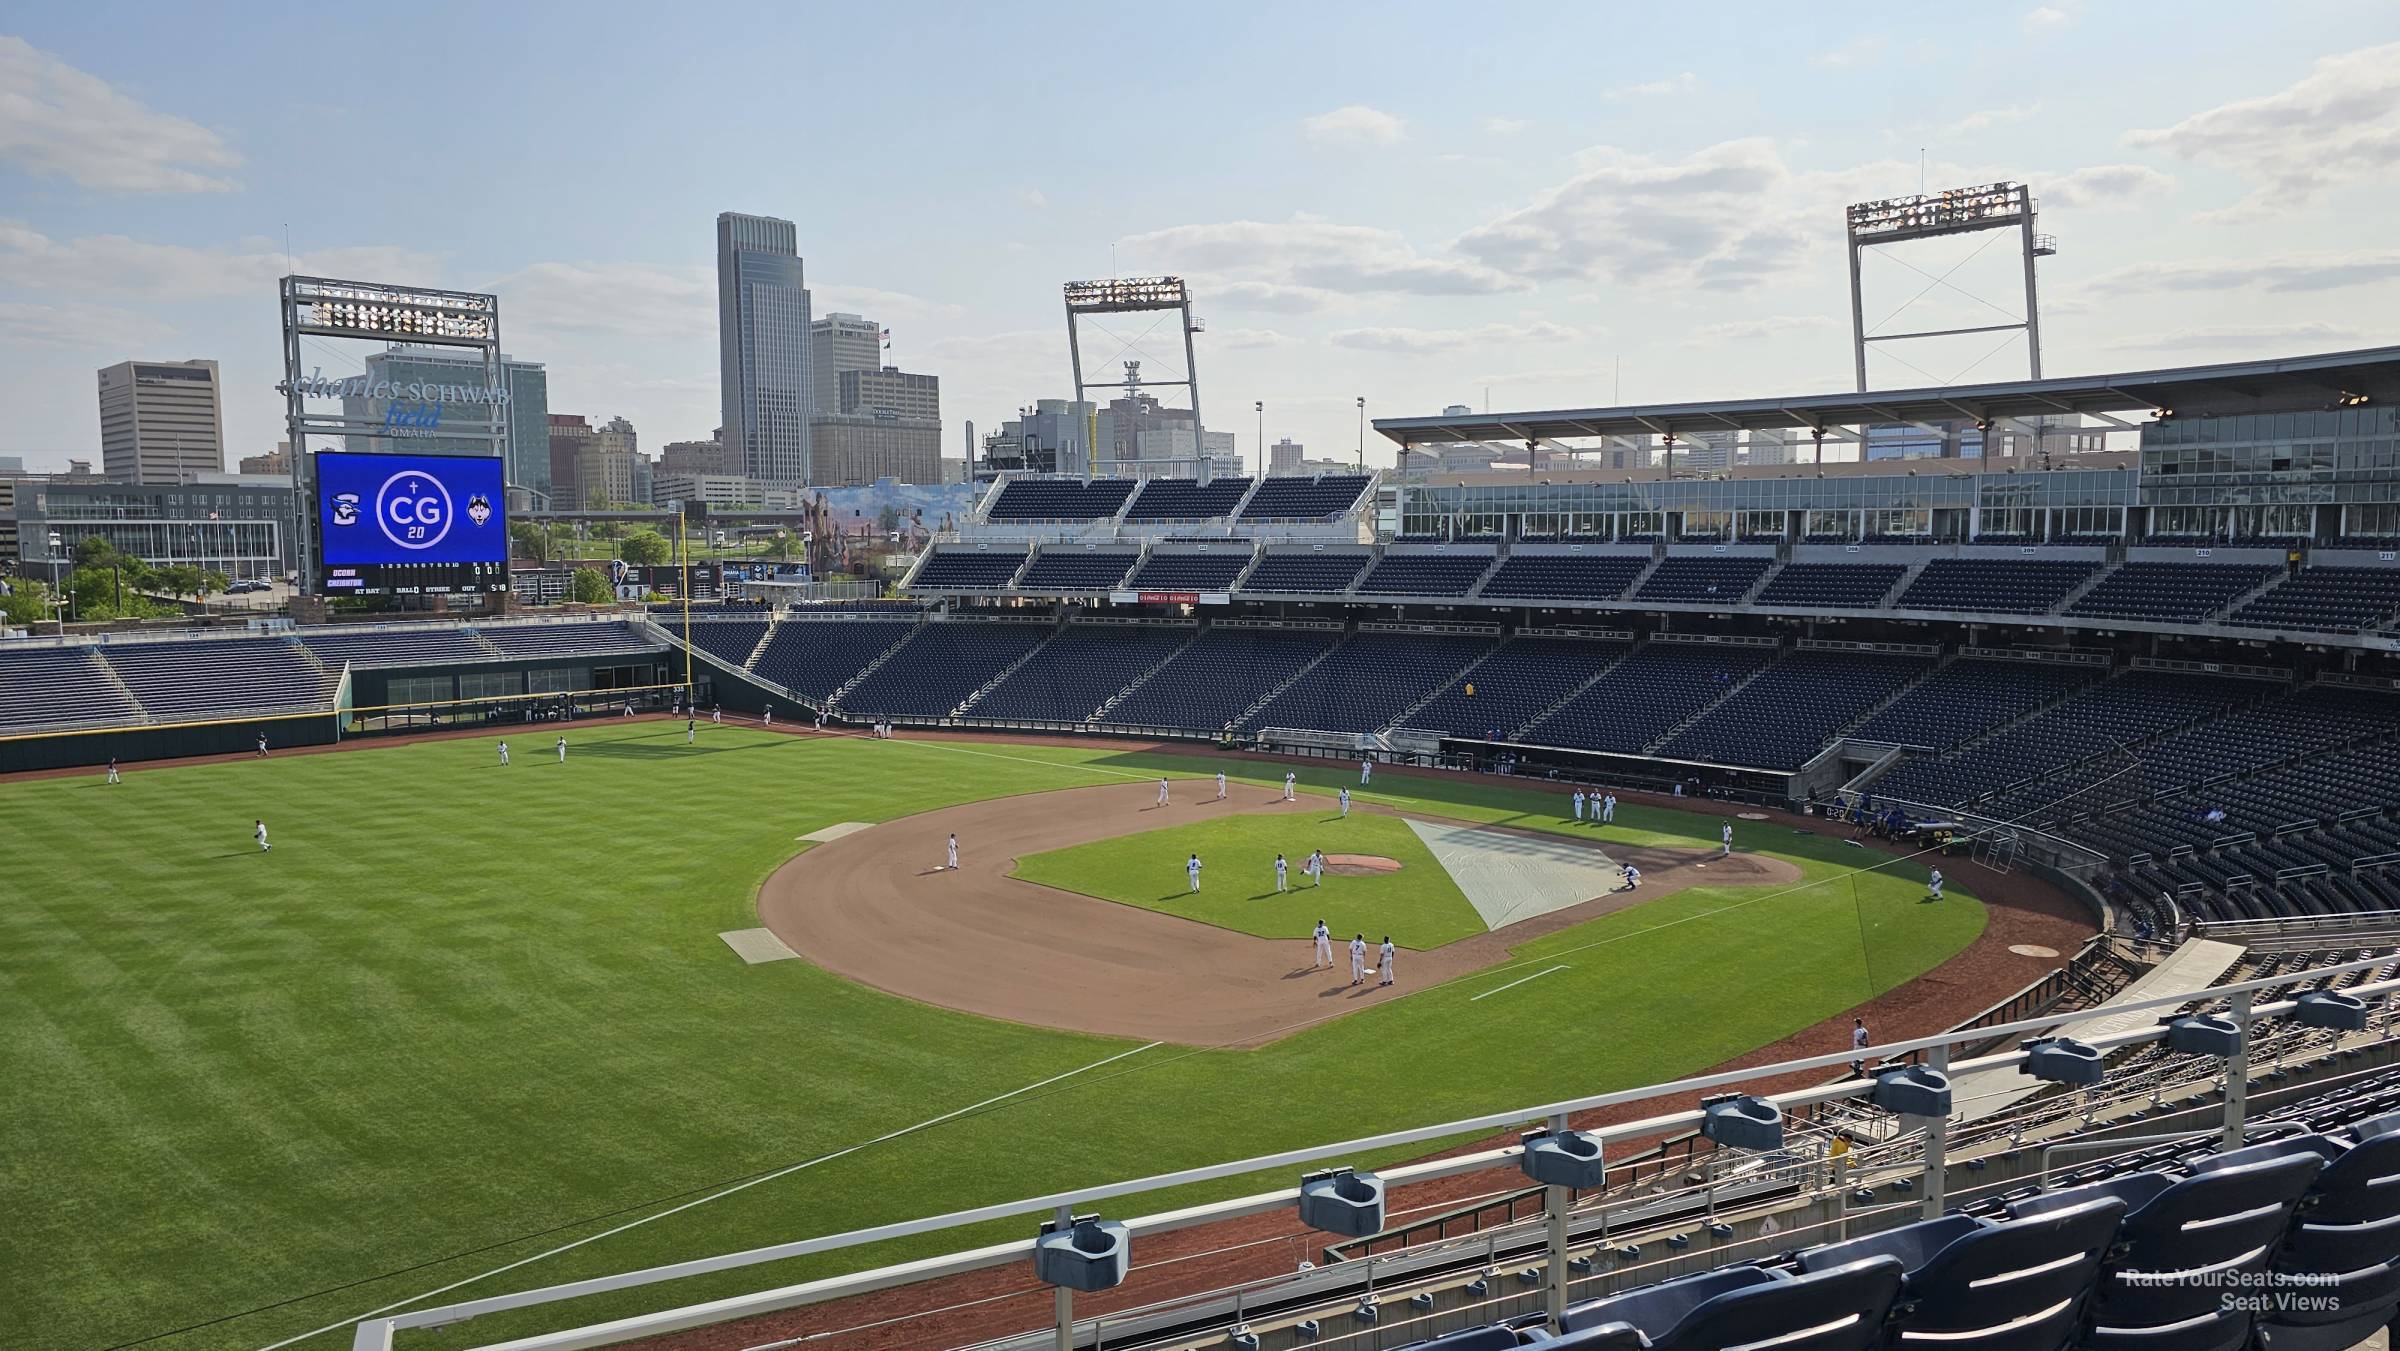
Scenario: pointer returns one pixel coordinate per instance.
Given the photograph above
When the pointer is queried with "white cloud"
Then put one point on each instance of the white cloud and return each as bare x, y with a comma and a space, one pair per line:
1748, 330
1417, 340
2262, 338
1718, 219
1505, 126
1984, 118
1684, 83
1032, 197
60, 122
118, 265
619, 299
77, 327
1863, 50
1352, 123
2286, 272
1262, 295
1244, 339
2101, 186
1316, 254
2044, 18
2340, 123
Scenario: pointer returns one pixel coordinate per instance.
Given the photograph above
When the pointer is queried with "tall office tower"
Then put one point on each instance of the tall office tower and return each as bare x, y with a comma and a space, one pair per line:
838, 343
161, 421
762, 346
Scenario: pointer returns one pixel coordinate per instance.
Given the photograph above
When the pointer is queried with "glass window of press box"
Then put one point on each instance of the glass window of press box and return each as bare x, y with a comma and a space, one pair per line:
2264, 459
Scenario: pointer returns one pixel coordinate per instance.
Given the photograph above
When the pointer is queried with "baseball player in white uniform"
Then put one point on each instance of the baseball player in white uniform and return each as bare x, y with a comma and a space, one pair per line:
1578, 804
1608, 808
1282, 874
1366, 772
112, 769
1726, 833
261, 833
562, 750
1935, 886
1191, 873
1385, 954
1220, 785
504, 752
1162, 792
1633, 878
1288, 780
1358, 958
953, 848
1316, 869
1324, 946
716, 716
691, 731
1345, 802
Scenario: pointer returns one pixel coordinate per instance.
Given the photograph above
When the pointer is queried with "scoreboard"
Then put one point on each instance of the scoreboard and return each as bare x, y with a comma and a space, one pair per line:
408, 525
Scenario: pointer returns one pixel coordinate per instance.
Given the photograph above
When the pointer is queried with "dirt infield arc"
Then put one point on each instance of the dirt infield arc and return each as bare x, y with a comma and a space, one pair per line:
874, 906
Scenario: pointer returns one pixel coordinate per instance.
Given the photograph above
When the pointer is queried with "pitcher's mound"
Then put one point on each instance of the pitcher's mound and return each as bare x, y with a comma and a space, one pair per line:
1360, 865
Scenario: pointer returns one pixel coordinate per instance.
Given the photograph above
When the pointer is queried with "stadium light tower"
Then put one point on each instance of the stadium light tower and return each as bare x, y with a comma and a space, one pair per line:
1953, 211
1137, 295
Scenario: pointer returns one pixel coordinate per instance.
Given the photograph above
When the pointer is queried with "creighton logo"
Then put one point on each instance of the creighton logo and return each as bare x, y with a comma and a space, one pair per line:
413, 510
345, 508
479, 510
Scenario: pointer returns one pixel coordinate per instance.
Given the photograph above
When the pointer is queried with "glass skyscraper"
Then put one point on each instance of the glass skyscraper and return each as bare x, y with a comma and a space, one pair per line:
527, 413
762, 346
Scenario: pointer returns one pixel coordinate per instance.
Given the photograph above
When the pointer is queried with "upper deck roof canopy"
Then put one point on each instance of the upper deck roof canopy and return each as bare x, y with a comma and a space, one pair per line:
2287, 383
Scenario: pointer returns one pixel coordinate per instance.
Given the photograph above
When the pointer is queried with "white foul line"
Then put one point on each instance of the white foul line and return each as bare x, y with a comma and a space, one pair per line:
1514, 983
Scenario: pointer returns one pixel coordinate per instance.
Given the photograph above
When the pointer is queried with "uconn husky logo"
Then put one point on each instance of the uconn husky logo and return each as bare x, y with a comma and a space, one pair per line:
413, 510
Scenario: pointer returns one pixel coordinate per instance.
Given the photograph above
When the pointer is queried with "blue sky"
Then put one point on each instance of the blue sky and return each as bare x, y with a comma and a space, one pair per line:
1410, 202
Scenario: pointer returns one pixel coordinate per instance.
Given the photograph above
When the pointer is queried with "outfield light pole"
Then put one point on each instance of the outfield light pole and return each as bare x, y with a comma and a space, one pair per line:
1261, 406
1362, 433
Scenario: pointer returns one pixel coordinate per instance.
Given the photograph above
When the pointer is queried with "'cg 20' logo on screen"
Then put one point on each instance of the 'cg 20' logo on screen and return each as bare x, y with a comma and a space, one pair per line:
413, 510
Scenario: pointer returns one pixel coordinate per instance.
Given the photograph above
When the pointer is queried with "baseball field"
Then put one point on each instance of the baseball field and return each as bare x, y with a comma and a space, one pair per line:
462, 1014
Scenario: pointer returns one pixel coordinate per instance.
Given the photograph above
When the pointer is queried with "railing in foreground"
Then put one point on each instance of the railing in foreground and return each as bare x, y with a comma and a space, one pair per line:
378, 1334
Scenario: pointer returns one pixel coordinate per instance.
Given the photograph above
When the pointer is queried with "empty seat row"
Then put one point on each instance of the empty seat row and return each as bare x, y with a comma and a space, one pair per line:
968, 569
1644, 696
2333, 600
1184, 499
1307, 571
1065, 569
1702, 580
815, 657
427, 645
2167, 591
59, 687
1305, 499
1077, 671
1521, 680
1832, 586
198, 679
1059, 499
1787, 714
1368, 681
1569, 576
1209, 683
1213, 571
598, 639
938, 666
1999, 585
1428, 574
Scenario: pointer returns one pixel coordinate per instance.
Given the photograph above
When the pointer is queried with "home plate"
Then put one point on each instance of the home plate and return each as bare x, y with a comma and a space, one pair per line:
757, 945
831, 833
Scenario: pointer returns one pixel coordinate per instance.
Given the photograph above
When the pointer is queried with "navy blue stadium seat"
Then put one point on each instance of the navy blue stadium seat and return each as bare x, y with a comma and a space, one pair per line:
1305, 499
605, 638
2326, 600
1840, 1308
1369, 681
1059, 499
1211, 571
815, 657
2006, 1285
1516, 684
423, 645
59, 687
1787, 714
728, 640
1225, 670
1569, 576
1067, 568
1703, 580
2343, 1247
1425, 574
219, 676
1832, 586
1184, 499
1307, 570
2167, 591
939, 665
1644, 696
968, 569
1079, 670
1999, 585
1968, 697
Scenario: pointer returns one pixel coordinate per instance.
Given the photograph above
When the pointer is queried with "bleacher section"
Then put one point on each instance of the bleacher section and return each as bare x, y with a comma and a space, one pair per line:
2167, 591
813, 658
1295, 570
939, 666
1832, 586
1430, 574
2000, 585
1058, 499
1517, 684
1788, 713
2332, 600
58, 687
967, 569
1184, 499
1699, 581
1564, 576
1212, 571
2113, 718
603, 639
203, 679
1647, 694
1208, 684
1368, 681
728, 640
1969, 697
1305, 499
429, 645
1068, 569
1078, 671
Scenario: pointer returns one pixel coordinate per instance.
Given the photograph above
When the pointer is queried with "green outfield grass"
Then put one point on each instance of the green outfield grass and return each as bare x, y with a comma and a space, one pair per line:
1419, 906
463, 1013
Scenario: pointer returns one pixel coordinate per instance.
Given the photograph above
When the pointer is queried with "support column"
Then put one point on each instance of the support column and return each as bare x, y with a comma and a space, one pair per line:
1063, 1299
1555, 1200
1937, 1143
2237, 1074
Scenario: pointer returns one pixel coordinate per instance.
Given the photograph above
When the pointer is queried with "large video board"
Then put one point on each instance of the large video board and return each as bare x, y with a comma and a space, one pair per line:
404, 525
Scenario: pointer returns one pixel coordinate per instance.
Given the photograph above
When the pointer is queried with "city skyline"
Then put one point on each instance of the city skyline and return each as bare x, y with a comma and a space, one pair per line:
1670, 233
